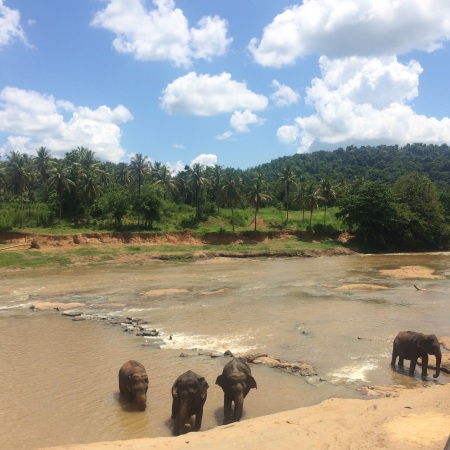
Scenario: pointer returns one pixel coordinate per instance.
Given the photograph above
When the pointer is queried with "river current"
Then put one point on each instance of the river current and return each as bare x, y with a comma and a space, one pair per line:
59, 376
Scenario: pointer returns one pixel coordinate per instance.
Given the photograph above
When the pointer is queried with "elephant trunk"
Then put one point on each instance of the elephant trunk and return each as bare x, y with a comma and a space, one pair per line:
141, 400
182, 416
438, 364
238, 405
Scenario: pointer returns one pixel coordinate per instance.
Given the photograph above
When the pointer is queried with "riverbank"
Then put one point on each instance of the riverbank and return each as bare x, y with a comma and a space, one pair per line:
409, 418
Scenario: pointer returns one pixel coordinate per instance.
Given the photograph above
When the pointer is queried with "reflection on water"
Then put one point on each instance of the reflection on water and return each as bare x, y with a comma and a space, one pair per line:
61, 374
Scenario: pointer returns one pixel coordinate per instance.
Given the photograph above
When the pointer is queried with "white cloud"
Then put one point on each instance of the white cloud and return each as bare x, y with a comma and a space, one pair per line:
34, 119
364, 100
283, 95
10, 28
205, 160
163, 33
345, 28
207, 95
240, 120
224, 136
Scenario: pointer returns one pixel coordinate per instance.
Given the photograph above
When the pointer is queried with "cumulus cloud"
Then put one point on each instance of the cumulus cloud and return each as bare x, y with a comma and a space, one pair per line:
207, 95
283, 95
33, 119
364, 28
208, 159
364, 100
240, 120
162, 33
10, 28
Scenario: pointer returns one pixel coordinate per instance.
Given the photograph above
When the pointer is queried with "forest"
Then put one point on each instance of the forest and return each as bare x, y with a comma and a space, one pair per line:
389, 196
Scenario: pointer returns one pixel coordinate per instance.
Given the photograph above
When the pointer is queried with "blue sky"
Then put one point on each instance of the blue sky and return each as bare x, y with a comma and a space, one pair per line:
219, 82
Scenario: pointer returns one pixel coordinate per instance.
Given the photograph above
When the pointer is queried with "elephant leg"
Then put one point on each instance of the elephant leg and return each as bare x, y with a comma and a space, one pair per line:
394, 357
198, 418
424, 365
227, 408
412, 366
400, 361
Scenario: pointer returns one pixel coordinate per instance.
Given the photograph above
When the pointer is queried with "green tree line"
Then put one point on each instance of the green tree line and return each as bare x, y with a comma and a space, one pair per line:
386, 195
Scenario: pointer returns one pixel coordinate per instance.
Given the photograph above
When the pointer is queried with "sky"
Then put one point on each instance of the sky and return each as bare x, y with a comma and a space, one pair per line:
220, 82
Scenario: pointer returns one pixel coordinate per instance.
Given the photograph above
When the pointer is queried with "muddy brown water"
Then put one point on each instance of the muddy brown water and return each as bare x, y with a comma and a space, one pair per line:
58, 376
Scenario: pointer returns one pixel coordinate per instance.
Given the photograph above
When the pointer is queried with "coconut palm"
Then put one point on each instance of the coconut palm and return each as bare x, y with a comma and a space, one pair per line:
43, 161
60, 180
17, 177
163, 178
326, 194
286, 180
140, 170
311, 199
230, 190
258, 193
197, 181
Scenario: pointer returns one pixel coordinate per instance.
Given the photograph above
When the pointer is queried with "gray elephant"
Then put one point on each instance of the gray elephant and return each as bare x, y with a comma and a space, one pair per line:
189, 394
412, 345
236, 381
133, 383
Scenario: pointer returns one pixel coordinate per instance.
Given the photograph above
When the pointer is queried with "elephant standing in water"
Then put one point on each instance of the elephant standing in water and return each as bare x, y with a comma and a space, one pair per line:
189, 394
133, 383
236, 381
411, 345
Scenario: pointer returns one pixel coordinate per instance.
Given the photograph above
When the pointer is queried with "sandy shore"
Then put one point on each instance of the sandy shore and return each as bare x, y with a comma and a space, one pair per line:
413, 419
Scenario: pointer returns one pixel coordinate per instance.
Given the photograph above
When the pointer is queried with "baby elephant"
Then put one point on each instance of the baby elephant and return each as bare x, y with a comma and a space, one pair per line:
412, 345
189, 394
133, 383
236, 381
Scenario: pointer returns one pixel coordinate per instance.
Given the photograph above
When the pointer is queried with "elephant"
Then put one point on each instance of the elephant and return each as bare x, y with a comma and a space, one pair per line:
236, 381
412, 345
133, 383
189, 394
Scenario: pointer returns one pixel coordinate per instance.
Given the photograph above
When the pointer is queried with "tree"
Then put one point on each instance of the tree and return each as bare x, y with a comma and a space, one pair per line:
426, 224
197, 181
372, 210
310, 199
116, 202
230, 189
60, 180
286, 179
258, 193
140, 170
17, 175
163, 178
326, 194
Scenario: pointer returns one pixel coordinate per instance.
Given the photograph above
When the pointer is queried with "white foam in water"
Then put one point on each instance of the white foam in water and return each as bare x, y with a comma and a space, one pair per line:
354, 372
206, 343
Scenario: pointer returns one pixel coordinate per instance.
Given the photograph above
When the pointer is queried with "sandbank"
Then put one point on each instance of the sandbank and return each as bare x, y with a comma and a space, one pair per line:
410, 418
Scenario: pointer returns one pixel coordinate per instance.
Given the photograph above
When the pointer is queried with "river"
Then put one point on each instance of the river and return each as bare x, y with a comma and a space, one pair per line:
59, 376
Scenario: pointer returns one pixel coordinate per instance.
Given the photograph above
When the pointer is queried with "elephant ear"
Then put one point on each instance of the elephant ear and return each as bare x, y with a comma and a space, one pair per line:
221, 381
203, 385
175, 389
421, 343
251, 382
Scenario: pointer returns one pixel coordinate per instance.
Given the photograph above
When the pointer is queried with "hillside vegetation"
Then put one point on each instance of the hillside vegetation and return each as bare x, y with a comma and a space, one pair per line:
389, 196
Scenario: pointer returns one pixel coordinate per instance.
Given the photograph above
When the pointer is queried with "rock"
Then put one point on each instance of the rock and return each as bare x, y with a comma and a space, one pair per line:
55, 306
383, 391
71, 313
445, 342
215, 354
302, 369
228, 353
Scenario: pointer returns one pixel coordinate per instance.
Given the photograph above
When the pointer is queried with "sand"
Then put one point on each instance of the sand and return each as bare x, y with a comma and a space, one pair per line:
410, 418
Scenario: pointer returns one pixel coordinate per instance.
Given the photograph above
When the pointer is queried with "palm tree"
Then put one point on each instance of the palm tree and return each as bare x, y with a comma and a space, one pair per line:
286, 179
140, 170
90, 187
197, 181
17, 175
122, 174
257, 193
326, 194
311, 199
164, 178
43, 163
230, 189
60, 180
215, 176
